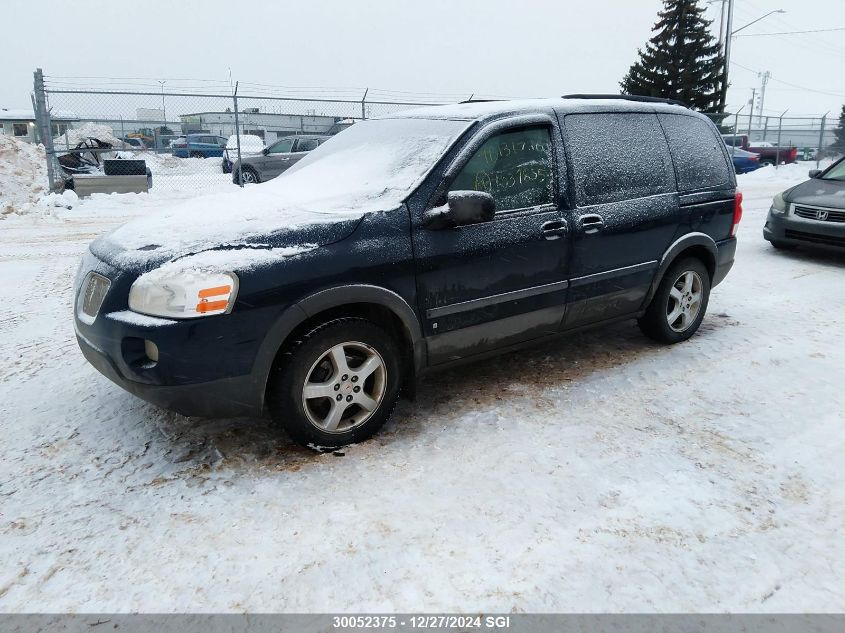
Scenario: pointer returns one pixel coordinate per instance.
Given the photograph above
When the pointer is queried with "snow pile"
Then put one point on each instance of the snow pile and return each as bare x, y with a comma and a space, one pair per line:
23, 175
98, 131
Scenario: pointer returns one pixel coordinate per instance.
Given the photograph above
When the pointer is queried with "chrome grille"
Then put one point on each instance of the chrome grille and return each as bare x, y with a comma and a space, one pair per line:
820, 214
93, 292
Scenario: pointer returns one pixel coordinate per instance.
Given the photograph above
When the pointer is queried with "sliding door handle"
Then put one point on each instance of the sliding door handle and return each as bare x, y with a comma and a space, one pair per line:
554, 230
591, 223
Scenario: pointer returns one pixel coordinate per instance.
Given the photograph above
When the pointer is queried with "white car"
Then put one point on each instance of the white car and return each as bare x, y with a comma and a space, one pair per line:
250, 145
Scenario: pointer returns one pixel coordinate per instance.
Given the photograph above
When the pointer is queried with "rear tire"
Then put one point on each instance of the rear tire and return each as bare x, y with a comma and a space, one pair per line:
336, 385
196, 155
679, 305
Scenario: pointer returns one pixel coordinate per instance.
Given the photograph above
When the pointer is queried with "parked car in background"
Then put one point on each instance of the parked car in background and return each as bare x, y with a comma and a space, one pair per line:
199, 146
277, 158
769, 153
412, 243
743, 161
250, 145
812, 213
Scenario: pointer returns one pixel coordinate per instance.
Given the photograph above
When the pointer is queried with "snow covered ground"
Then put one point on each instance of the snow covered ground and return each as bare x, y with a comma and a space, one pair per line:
602, 473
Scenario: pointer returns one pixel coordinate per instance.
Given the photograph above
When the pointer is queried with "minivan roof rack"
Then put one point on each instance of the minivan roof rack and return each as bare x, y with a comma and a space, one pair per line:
627, 98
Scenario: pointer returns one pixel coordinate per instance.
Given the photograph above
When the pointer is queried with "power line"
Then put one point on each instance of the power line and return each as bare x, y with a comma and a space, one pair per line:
841, 28
787, 83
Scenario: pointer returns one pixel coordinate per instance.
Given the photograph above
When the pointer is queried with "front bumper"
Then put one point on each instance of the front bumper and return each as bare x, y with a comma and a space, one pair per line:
227, 397
205, 367
796, 231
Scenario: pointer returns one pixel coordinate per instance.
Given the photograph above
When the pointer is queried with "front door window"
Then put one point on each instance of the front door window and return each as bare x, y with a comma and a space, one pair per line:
515, 167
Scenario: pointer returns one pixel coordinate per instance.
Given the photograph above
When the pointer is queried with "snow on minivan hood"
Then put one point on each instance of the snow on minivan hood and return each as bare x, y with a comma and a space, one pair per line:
371, 166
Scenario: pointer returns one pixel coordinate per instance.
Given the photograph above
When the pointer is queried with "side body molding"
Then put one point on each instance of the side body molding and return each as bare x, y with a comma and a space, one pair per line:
331, 298
689, 240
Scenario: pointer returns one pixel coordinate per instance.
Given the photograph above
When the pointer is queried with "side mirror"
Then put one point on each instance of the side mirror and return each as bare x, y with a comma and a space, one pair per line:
265, 151
815, 173
462, 207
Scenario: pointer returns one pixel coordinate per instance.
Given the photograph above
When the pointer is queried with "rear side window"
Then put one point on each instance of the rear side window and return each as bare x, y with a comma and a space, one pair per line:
514, 166
617, 156
698, 153
306, 144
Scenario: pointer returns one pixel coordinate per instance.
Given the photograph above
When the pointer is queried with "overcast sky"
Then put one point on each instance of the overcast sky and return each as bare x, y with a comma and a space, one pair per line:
492, 47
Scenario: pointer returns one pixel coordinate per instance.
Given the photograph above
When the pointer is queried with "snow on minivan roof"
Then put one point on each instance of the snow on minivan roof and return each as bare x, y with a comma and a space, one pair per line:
475, 110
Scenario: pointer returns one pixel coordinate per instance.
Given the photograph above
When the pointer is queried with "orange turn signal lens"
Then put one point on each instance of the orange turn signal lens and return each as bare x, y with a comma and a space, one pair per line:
205, 293
217, 293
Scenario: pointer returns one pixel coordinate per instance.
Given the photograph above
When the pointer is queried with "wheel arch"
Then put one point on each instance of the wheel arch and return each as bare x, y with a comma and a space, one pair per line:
698, 245
375, 303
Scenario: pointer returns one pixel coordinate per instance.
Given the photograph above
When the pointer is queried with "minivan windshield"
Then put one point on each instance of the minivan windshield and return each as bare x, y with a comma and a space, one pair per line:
375, 162
837, 172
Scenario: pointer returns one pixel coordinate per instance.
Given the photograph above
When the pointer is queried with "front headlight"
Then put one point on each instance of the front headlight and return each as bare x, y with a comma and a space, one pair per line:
183, 294
779, 204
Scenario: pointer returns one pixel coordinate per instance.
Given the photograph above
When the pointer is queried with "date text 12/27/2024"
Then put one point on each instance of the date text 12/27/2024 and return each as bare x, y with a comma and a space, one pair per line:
490, 622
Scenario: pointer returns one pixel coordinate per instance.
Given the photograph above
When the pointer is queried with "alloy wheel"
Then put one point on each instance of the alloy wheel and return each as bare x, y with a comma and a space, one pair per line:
344, 387
684, 301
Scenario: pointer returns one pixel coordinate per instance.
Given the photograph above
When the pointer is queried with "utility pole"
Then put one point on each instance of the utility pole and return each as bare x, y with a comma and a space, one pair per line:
163, 111
751, 111
42, 115
764, 79
727, 38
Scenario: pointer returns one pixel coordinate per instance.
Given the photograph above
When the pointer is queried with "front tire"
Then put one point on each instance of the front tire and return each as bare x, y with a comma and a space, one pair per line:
679, 305
337, 384
250, 176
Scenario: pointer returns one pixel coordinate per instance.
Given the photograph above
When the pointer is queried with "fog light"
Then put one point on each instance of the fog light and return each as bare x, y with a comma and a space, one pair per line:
151, 350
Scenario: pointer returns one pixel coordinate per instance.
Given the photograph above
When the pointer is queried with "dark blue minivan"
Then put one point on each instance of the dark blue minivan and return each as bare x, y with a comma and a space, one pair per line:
411, 243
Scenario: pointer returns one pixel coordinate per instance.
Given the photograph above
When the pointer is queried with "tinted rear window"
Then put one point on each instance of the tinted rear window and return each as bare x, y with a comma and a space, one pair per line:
617, 156
698, 153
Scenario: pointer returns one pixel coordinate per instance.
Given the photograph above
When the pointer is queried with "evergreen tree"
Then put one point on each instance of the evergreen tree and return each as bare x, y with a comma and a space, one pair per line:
838, 146
682, 61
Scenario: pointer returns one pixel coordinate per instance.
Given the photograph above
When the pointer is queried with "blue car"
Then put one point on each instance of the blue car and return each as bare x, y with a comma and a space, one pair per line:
199, 146
744, 162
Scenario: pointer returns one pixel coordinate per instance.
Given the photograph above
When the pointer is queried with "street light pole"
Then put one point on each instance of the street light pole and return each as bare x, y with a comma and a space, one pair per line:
727, 55
729, 33
742, 28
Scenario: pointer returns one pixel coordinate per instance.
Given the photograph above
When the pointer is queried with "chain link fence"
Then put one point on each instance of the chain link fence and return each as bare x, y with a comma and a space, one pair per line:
780, 139
187, 139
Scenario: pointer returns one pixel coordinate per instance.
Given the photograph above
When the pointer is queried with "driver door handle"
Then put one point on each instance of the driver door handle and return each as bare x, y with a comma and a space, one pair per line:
554, 229
591, 223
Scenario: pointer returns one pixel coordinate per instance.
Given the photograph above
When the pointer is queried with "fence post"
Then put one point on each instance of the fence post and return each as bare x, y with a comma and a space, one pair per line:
736, 132
765, 127
363, 104
42, 118
821, 139
780, 129
238, 135
122, 130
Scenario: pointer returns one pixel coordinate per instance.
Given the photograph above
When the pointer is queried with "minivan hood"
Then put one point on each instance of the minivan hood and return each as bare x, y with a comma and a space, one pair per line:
242, 218
819, 192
